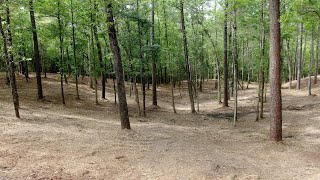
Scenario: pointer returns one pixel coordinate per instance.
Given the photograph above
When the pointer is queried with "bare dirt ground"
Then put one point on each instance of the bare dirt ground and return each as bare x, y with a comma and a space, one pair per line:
83, 141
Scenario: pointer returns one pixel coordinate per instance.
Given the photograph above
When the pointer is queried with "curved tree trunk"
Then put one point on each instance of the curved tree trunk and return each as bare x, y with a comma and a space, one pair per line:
123, 107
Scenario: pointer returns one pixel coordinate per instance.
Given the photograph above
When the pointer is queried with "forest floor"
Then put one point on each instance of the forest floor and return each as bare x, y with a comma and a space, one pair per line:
84, 141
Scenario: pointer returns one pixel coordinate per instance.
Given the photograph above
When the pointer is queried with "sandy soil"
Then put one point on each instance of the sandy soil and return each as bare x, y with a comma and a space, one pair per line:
83, 141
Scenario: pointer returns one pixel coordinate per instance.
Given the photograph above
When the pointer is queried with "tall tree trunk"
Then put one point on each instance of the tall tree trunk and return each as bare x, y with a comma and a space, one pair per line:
36, 56
170, 60
217, 61
95, 79
317, 59
154, 66
186, 54
235, 66
123, 107
7, 42
61, 52
225, 59
74, 50
98, 44
311, 62
289, 62
263, 40
249, 64
300, 57
275, 72
142, 72
136, 95
296, 54
242, 68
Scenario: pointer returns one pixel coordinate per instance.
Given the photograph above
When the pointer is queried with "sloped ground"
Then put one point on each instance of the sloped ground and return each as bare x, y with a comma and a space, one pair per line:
83, 141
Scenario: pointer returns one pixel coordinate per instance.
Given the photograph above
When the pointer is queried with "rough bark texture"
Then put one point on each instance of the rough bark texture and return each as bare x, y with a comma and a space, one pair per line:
7, 40
36, 51
275, 72
123, 107
225, 57
186, 54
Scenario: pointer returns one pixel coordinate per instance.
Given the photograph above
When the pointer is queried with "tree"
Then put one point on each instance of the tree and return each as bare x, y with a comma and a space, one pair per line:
235, 65
225, 56
154, 66
123, 107
7, 47
275, 72
37, 63
61, 50
98, 44
186, 56
74, 49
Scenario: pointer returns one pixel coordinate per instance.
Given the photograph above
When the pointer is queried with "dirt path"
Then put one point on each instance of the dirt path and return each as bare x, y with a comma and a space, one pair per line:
84, 140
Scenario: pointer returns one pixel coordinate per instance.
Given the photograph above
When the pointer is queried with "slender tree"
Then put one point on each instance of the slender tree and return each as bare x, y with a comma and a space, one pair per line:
154, 66
261, 69
300, 57
275, 72
98, 44
235, 65
186, 55
123, 107
141, 56
7, 42
61, 50
311, 62
74, 48
36, 50
317, 58
225, 56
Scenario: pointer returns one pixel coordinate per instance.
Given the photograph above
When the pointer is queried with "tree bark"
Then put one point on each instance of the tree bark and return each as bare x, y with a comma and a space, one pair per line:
225, 59
143, 77
289, 62
311, 62
275, 72
300, 57
7, 42
154, 66
98, 44
36, 56
317, 59
186, 55
61, 52
235, 66
123, 107
74, 50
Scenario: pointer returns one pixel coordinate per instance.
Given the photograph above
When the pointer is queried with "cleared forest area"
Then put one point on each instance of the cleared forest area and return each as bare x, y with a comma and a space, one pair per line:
81, 140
